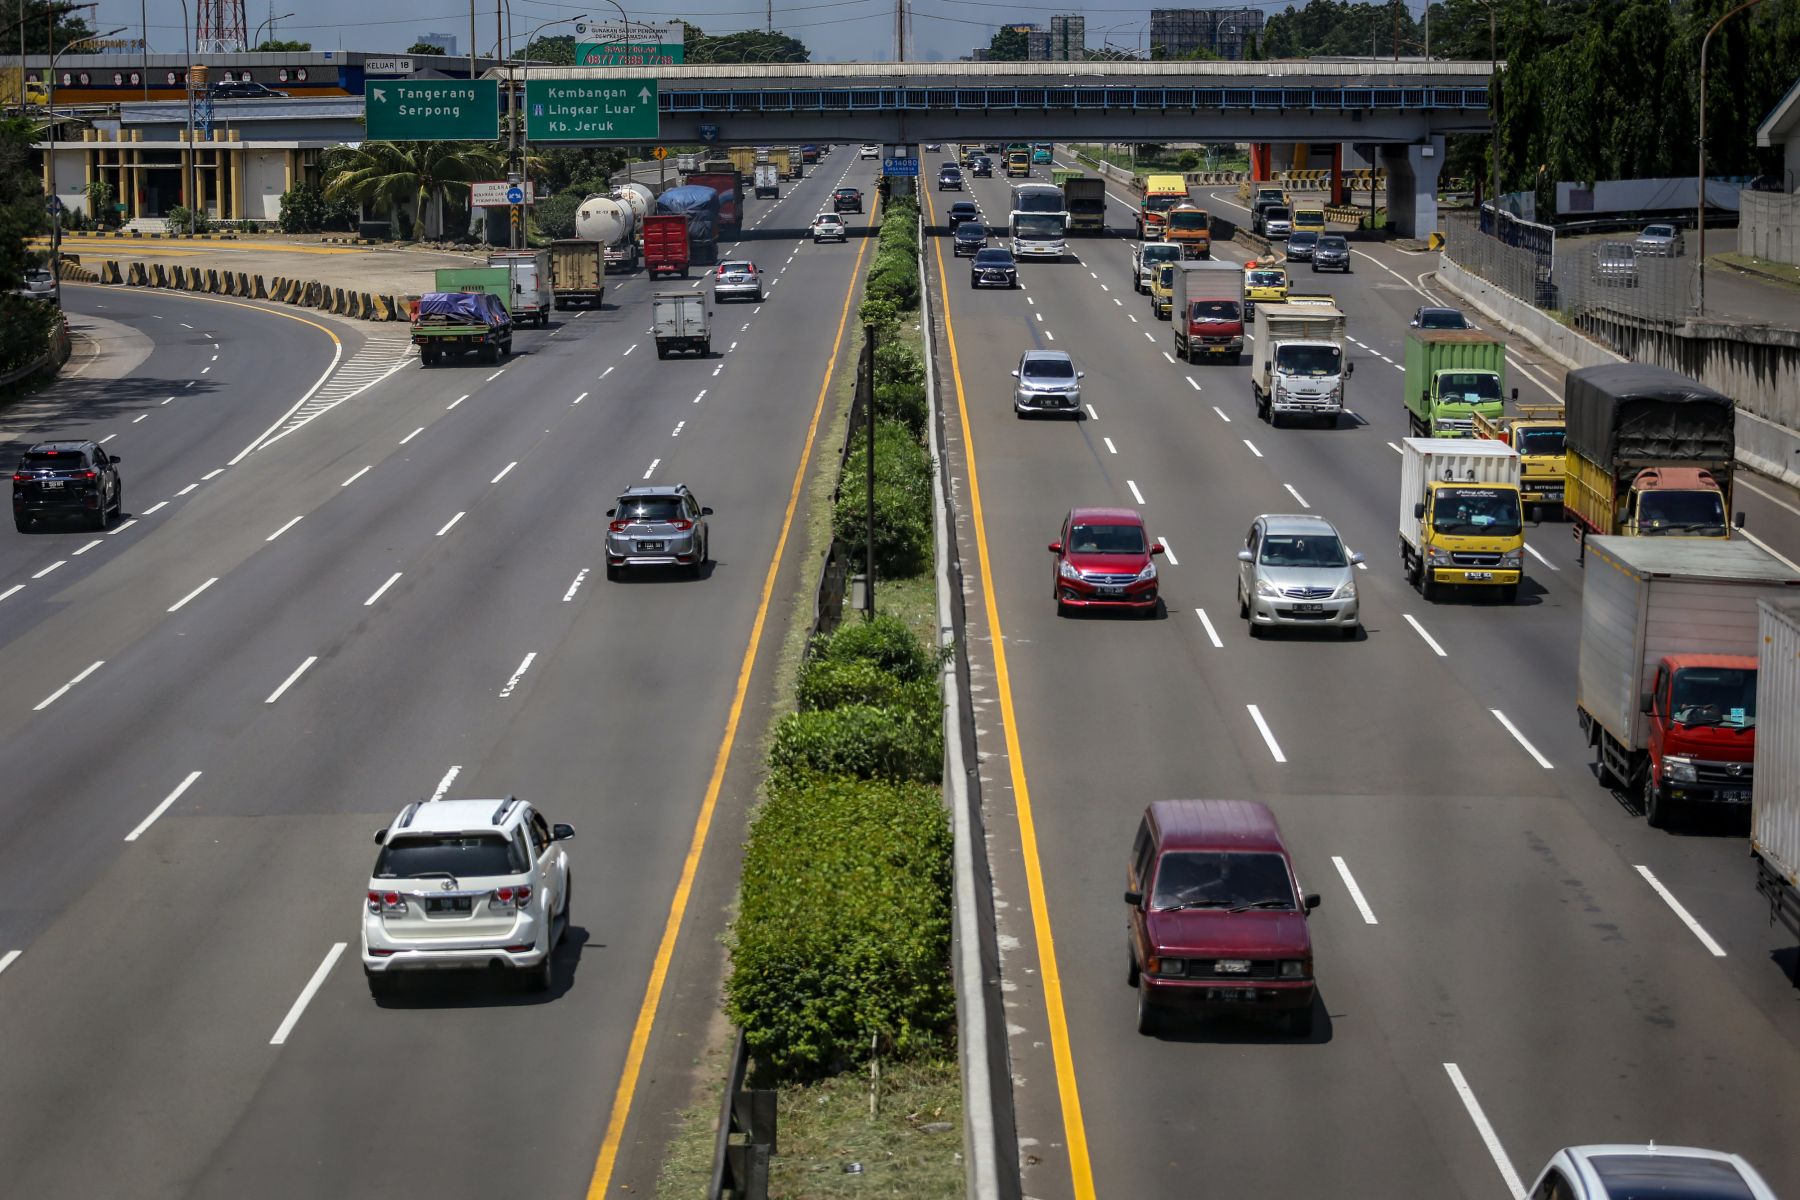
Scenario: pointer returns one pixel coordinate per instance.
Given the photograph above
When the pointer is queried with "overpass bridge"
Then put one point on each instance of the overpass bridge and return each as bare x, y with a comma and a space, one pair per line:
1403, 109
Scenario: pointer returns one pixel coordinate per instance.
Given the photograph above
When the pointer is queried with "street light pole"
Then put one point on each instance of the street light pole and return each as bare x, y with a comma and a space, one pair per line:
524, 133
1700, 171
270, 26
50, 96
626, 18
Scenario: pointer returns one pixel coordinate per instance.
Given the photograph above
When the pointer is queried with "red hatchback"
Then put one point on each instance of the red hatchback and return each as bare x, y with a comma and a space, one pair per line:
1218, 920
1103, 560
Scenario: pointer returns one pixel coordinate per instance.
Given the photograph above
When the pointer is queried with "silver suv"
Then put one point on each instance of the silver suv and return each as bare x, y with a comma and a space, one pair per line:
1295, 571
1047, 382
658, 527
470, 885
738, 278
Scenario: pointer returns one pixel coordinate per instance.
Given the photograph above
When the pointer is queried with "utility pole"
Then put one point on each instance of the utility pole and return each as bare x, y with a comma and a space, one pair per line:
868, 386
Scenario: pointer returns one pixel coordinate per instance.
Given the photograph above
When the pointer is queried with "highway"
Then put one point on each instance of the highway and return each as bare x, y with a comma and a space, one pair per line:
1509, 959
341, 587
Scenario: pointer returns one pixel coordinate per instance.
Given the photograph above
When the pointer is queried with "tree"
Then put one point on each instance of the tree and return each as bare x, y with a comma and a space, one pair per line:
278, 45
34, 15
418, 48
1009, 45
24, 324
386, 176
556, 51
745, 46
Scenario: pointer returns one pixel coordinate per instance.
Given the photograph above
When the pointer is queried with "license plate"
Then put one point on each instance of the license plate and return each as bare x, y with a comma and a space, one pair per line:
1110, 591
1735, 796
1309, 608
1474, 575
50, 485
448, 904
1231, 993
648, 547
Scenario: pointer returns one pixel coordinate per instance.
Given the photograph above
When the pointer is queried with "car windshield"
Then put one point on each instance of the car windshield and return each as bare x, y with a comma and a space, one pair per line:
1048, 368
1275, 213
1659, 231
1667, 1177
1303, 238
1222, 879
1161, 252
1161, 203
1698, 513
1106, 539
969, 231
1333, 243
1714, 696
1302, 550
1541, 441
962, 209
1187, 220
462, 855
1477, 512
1471, 387
1311, 361
994, 258
1216, 310
649, 508
1038, 202
1037, 225
1441, 318
1267, 279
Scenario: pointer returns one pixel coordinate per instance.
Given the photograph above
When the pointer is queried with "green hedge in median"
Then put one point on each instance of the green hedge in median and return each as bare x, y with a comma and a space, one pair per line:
902, 500
883, 641
843, 933
860, 740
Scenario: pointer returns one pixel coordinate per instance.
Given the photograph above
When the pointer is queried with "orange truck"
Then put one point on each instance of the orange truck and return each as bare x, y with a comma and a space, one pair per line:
1189, 226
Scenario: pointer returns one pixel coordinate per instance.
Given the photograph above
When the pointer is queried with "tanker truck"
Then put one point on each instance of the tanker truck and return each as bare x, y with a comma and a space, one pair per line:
611, 221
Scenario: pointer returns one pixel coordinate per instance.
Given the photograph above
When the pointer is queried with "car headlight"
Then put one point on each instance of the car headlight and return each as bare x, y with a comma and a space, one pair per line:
1679, 770
1149, 572
1439, 558
1168, 966
1337, 394
1294, 968
1346, 590
1067, 571
1265, 588
1513, 560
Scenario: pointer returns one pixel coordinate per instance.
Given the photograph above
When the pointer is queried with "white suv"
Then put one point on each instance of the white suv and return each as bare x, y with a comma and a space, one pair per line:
829, 227
466, 884
869, 150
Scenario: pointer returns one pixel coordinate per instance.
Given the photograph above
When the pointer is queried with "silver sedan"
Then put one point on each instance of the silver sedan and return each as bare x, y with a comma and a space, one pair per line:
1294, 571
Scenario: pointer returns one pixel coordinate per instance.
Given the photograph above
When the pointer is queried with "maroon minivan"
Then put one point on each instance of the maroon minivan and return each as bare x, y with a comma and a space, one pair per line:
1218, 920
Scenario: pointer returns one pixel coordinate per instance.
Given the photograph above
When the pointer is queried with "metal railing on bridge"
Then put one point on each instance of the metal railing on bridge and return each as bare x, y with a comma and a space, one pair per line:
677, 100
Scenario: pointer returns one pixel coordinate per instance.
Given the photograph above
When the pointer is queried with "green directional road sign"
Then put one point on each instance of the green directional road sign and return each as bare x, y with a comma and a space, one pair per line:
432, 110
591, 110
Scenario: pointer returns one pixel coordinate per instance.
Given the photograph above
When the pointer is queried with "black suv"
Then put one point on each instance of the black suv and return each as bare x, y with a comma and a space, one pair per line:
846, 199
962, 210
993, 267
72, 479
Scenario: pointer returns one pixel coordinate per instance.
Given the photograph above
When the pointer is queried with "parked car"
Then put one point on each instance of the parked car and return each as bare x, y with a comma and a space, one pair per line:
1047, 382
950, 178
737, 279
1295, 572
829, 227
658, 526
970, 238
962, 210
1300, 244
1615, 264
982, 167
1431, 317
993, 267
1636, 1172
37, 284
1105, 560
469, 884
869, 150
1331, 254
66, 479
846, 199
1660, 241
1217, 920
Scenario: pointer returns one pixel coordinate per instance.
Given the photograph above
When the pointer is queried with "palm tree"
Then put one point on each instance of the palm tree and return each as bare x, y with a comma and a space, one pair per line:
386, 175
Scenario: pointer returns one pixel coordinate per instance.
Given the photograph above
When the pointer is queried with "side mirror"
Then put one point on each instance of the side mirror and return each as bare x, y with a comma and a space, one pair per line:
1135, 899
381, 836
1414, 322
1246, 556
705, 511
1515, 395
1349, 369
1081, 374
116, 458
1158, 548
561, 833
1354, 559
1418, 512
1056, 547
611, 511
1737, 520
1645, 700
1015, 374
1311, 901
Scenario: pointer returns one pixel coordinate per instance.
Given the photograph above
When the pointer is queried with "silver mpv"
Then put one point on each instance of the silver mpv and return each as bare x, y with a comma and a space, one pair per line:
1047, 382
658, 527
1295, 571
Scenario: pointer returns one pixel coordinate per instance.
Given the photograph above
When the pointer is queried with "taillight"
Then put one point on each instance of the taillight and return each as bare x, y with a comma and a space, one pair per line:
619, 526
682, 523
89, 475
511, 897
392, 902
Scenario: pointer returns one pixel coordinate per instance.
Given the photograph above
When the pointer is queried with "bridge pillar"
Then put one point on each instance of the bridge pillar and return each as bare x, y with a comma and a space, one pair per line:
1259, 161
1412, 177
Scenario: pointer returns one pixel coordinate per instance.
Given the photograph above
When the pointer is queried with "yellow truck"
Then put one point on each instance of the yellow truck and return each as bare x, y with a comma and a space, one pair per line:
795, 164
1536, 432
1309, 216
1018, 164
1460, 520
1264, 284
1161, 193
1162, 291
744, 158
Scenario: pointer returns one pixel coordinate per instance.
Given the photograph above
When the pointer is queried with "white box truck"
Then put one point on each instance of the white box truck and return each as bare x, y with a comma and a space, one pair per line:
1775, 800
679, 321
767, 181
1666, 683
1298, 366
1460, 520
532, 295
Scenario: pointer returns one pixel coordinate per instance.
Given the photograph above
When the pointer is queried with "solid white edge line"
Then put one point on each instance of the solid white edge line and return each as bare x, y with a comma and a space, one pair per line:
158, 811
1362, 905
1488, 1137
337, 353
1429, 640
1212, 635
307, 993
1541, 558
392, 579
1772, 550
1687, 918
1520, 738
1268, 735
182, 603
291, 679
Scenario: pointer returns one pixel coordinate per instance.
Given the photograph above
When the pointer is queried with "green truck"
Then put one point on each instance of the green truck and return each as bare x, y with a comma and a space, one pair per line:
495, 281
1453, 375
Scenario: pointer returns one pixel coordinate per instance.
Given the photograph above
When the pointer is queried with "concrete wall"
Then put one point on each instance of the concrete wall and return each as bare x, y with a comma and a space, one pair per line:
265, 178
1769, 226
71, 178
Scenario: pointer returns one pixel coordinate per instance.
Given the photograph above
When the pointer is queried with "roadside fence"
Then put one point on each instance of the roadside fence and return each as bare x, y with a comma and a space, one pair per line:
1527, 262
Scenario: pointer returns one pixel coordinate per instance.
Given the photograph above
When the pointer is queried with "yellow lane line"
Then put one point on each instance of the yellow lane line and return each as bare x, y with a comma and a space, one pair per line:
601, 1179
1074, 1128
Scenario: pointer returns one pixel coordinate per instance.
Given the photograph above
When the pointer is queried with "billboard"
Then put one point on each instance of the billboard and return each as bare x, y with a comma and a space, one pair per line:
637, 44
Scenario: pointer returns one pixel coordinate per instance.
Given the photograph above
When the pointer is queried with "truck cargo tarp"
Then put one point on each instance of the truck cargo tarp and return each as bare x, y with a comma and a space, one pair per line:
1625, 412
472, 307
687, 199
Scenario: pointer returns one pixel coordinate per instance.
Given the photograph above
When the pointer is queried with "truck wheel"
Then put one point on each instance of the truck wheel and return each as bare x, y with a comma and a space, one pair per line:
662, 351
1659, 812
1603, 774
506, 348
1509, 594
21, 522
1428, 587
544, 320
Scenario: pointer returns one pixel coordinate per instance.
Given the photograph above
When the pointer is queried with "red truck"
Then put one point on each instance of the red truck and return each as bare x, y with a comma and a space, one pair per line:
666, 245
730, 186
1207, 310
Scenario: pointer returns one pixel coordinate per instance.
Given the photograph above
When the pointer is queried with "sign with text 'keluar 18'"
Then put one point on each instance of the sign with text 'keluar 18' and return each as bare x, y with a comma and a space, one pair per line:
432, 110
591, 110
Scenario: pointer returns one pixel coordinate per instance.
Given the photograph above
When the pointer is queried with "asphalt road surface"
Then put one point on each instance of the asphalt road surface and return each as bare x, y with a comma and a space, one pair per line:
397, 594
1502, 966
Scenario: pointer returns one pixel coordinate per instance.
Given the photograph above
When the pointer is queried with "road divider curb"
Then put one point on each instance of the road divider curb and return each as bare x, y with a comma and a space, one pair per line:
303, 293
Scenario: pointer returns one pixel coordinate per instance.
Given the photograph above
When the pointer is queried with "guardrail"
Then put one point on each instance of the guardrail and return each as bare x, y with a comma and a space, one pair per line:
741, 1169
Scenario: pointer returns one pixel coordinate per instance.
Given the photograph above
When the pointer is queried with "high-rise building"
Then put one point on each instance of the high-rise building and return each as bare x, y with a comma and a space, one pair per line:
1178, 32
1068, 37
443, 41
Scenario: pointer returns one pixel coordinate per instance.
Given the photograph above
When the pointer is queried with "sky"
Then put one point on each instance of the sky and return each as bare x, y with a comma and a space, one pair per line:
835, 30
